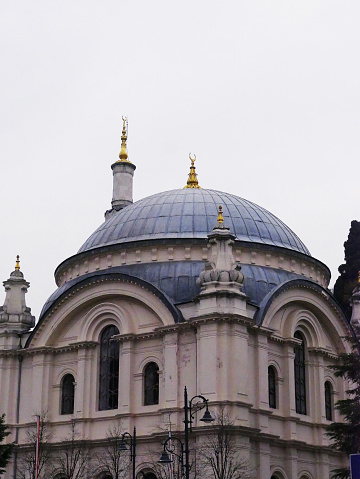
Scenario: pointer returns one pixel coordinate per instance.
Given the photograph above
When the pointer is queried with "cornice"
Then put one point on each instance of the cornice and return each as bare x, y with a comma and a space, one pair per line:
50, 349
151, 251
217, 317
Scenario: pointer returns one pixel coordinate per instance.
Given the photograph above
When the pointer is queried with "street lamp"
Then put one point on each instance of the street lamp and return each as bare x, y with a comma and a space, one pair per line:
189, 415
129, 440
170, 448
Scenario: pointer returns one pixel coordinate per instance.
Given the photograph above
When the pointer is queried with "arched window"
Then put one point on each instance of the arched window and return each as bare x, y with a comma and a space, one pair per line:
272, 387
151, 384
109, 369
328, 401
299, 373
67, 394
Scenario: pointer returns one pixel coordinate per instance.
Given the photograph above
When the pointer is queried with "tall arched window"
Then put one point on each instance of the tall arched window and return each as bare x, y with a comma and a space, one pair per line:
109, 369
328, 401
299, 373
67, 394
272, 387
151, 384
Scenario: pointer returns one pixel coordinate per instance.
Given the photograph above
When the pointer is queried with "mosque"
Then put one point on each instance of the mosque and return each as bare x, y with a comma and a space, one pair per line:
190, 288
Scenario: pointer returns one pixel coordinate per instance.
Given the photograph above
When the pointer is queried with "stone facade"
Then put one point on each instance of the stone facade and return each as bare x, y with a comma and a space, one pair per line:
220, 345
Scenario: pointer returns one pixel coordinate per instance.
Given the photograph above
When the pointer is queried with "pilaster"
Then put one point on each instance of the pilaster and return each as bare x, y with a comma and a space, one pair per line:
171, 372
207, 359
264, 460
291, 459
126, 392
40, 383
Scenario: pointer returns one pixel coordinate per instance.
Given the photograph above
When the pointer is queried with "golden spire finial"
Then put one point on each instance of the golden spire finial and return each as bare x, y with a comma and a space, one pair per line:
220, 216
192, 181
123, 155
17, 265
359, 277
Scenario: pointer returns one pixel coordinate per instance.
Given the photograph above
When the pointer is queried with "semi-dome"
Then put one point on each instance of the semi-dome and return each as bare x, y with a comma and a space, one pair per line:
189, 214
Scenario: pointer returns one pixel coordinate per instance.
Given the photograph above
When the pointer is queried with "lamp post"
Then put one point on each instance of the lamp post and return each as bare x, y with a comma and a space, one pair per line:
129, 440
189, 415
166, 459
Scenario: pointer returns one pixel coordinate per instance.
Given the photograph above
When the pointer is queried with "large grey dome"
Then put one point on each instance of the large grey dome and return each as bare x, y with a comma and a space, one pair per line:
192, 213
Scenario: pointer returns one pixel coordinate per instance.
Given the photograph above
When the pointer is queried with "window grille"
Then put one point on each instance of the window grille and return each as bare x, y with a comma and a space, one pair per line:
328, 401
272, 387
299, 373
67, 394
151, 384
109, 369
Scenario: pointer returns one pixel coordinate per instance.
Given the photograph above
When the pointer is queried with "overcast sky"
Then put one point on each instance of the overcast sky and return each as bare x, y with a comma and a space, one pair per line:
265, 93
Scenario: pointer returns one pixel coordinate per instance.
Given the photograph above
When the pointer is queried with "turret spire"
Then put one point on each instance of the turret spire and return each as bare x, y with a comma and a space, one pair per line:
192, 181
123, 155
15, 316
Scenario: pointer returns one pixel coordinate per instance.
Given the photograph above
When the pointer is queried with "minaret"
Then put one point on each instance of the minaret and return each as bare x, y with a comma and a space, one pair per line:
123, 174
192, 181
15, 316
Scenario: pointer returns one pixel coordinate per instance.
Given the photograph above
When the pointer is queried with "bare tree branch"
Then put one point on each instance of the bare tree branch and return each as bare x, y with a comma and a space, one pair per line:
219, 454
112, 460
27, 463
72, 459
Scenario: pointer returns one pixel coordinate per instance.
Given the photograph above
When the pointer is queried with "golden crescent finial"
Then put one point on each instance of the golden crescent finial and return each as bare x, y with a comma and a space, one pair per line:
123, 155
192, 159
192, 181
17, 265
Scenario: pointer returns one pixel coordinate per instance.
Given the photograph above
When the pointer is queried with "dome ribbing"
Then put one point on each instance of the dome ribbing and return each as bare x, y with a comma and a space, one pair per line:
192, 213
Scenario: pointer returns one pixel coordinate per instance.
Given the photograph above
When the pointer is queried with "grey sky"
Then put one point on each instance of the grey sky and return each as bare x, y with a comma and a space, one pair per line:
266, 93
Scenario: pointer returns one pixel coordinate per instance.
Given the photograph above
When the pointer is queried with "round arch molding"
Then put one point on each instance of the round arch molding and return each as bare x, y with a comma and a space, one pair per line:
79, 313
310, 309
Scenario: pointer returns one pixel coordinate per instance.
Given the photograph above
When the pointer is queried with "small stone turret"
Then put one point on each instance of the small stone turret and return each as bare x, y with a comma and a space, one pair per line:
222, 280
123, 174
15, 316
222, 266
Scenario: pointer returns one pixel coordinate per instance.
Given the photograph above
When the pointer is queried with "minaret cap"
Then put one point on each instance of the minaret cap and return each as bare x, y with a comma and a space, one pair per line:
192, 181
123, 155
17, 264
